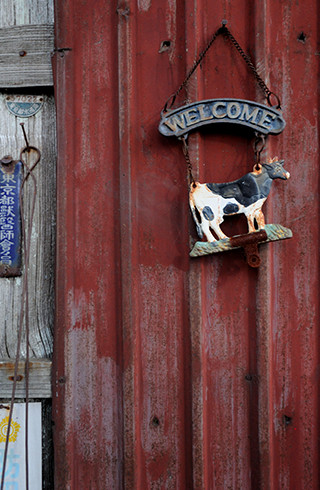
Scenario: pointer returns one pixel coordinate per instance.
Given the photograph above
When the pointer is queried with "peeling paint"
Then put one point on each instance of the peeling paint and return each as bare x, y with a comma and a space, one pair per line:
144, 5
90, 379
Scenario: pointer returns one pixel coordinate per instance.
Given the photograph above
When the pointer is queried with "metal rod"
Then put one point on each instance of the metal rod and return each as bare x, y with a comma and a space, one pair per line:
24, 134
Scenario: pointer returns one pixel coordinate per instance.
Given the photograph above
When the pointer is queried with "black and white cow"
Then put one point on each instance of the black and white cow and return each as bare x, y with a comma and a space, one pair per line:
245, 195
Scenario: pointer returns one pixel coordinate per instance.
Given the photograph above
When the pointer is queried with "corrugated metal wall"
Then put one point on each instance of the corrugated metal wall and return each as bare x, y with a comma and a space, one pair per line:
173, 372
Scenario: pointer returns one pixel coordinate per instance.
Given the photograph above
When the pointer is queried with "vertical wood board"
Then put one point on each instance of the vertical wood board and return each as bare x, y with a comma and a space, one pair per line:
40, 130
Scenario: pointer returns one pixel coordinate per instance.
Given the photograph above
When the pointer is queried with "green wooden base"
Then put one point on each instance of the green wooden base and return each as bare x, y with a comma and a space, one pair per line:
274, 233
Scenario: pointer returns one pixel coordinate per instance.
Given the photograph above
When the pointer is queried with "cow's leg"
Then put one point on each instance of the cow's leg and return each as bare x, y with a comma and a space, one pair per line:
206, 230
250, 214
215, 225
197, 222
250, 219
260, 219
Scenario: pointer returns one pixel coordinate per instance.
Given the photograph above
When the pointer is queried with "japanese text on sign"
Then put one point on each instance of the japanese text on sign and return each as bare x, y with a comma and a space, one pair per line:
10, 232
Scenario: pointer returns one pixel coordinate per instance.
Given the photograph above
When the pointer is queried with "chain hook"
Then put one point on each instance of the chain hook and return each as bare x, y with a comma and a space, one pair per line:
185, 150
259, 145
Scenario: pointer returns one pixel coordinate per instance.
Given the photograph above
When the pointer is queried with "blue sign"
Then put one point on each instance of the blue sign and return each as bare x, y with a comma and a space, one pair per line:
10, 221
24, 105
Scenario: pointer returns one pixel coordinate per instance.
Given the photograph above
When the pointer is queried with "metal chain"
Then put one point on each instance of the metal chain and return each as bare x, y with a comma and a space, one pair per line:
185, 150
197, 62
267, 92
224, 31
258, 146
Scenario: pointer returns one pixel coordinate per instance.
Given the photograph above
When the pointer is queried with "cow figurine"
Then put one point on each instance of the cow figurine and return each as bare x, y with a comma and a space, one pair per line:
245, 195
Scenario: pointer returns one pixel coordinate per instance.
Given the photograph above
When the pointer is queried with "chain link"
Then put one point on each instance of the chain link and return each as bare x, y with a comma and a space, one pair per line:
267, 92
197, 62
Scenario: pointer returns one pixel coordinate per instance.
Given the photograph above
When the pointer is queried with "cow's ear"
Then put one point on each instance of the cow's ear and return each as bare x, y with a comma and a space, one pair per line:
271, 160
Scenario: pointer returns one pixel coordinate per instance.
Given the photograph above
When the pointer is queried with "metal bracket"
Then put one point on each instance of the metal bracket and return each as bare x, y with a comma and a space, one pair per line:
249, 242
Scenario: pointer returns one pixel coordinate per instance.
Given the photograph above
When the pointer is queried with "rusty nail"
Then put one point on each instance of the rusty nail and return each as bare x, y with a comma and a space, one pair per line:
62, 380
18, 378
6, 160
22, 53
24, 134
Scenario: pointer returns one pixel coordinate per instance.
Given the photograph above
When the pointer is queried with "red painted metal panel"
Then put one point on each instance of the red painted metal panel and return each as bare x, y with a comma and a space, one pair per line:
87, 372
173, 372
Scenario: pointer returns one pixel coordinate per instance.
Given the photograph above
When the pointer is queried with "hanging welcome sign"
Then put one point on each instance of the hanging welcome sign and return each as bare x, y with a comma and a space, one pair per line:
211, 202
258, 117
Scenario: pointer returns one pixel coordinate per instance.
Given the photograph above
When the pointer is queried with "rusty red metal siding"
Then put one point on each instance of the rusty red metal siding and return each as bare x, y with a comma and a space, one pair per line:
171, 372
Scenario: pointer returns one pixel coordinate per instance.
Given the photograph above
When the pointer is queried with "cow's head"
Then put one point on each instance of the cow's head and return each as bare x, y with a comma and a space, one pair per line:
275, 169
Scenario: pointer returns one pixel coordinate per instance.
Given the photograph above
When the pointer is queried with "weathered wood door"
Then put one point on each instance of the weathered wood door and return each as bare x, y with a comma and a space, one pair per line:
172, 372
26, 44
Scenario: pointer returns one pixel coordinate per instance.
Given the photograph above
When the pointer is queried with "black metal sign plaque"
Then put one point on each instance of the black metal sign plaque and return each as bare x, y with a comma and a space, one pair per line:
261, 118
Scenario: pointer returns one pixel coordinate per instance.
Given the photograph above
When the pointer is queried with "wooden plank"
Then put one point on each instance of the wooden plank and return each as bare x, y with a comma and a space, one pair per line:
41, 133
39, 379
25, 56
23, 12
29, 26
40, 128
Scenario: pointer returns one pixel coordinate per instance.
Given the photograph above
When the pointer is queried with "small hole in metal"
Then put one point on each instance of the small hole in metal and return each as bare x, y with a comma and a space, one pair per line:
287, 420
165, 46
302, 37
155, 422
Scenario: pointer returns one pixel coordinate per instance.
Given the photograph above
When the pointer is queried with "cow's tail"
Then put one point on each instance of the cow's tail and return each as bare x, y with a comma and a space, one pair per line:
195, 217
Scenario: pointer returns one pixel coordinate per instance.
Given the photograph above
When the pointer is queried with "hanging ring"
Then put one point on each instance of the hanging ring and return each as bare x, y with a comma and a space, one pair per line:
170, 101
270, 94
257, 167
27, 149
